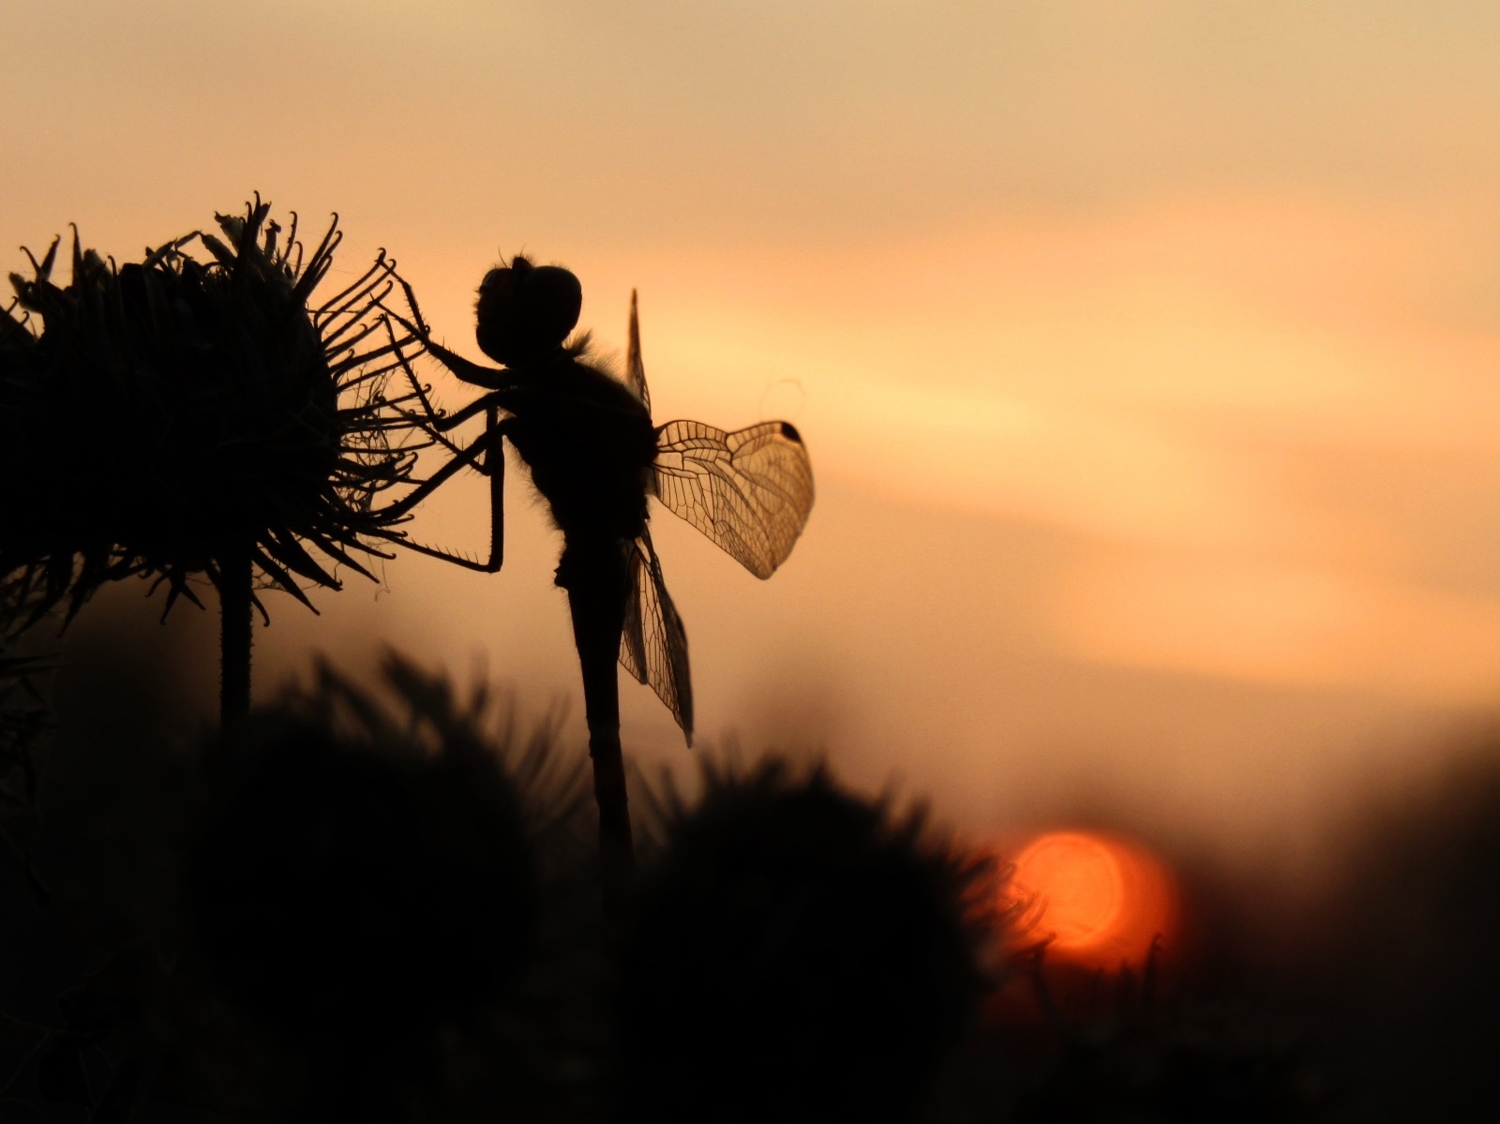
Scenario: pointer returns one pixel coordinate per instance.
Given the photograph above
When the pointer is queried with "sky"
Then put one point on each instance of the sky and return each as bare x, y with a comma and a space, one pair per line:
1146, 352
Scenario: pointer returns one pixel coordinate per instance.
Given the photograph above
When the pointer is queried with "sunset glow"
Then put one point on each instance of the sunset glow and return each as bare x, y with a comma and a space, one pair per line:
1099, 900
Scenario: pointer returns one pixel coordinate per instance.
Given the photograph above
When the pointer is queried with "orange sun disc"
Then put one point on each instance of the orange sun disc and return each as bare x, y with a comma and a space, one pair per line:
1102, 900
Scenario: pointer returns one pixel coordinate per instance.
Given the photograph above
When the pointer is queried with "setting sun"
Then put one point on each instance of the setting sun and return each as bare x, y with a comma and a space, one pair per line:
1101, 900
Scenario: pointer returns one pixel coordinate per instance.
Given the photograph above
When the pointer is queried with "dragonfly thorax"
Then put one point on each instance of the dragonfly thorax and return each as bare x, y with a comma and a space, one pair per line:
589, 443
525, 309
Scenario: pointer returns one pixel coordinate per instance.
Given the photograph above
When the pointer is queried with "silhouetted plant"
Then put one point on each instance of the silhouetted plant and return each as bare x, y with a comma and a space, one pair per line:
133, 804
177, 418
1404, 973
796, 954
25, 722
365, 879
1121, 1047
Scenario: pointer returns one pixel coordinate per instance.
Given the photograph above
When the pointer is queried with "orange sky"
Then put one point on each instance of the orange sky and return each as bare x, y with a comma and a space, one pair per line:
1147, 352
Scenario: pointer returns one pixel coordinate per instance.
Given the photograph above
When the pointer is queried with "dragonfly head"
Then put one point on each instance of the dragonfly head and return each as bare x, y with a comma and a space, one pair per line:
524, 309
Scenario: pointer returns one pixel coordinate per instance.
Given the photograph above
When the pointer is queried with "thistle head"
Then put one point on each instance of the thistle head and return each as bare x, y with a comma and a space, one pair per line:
157, 416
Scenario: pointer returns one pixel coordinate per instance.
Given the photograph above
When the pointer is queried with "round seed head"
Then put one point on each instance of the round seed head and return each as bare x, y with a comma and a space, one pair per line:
183, 409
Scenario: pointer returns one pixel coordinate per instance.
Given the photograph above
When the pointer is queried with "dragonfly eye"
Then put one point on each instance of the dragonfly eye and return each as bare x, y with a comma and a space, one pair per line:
524, 309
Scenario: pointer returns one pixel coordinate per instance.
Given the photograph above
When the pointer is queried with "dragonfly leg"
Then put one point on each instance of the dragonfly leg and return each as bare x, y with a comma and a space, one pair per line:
488, 377
491, 445
464, 458
437, 422
433, 420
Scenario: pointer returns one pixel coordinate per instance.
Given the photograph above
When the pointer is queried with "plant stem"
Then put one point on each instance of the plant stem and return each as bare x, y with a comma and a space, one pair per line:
236, 608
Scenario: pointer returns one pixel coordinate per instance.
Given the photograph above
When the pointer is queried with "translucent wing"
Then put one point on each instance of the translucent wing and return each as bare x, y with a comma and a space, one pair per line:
635, 370
750, 490
653, 645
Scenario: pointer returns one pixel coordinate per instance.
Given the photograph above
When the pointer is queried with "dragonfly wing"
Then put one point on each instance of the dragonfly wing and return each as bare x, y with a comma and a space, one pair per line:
653, 645
750, 491
635, 370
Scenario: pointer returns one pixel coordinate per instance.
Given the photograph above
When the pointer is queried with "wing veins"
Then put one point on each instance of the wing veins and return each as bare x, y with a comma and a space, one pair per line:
749, 490
653, 643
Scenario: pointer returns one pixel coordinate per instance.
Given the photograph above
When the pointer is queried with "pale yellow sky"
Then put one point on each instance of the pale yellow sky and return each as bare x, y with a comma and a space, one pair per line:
1147, 352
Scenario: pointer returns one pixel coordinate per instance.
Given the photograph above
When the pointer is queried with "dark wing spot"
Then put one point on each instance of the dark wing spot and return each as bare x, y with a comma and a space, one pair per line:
789, 431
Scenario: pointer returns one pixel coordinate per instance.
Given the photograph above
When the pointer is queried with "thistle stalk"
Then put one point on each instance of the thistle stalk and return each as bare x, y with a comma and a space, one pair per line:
236, 623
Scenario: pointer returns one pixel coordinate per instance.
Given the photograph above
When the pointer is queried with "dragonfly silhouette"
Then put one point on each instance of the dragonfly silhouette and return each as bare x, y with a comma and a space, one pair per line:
595, 456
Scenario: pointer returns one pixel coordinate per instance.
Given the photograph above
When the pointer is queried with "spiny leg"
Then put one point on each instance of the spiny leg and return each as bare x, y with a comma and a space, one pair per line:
488, 377
490, 445
433, 421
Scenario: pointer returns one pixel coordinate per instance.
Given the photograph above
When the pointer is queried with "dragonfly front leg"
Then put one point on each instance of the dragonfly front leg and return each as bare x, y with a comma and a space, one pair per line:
432, 420
494, 468
490, 378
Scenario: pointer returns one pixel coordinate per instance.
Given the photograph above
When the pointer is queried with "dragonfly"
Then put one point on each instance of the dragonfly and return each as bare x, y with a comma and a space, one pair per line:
595, 455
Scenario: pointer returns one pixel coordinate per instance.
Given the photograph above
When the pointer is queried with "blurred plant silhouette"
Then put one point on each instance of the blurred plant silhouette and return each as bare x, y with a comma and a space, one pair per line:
796, 954
25, 726
334, 874
1122, 1046
1403, 976
176, 418
385, 916
363, 880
